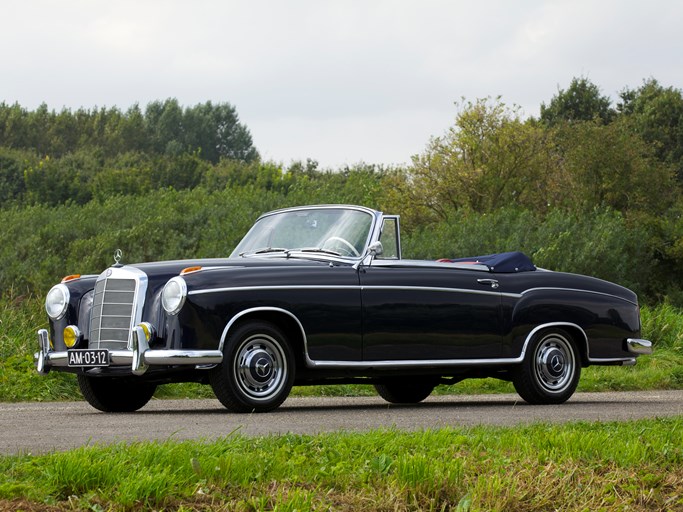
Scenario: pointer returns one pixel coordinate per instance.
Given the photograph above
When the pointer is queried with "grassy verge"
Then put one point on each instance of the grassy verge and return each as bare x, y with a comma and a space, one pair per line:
21, 316
616, 466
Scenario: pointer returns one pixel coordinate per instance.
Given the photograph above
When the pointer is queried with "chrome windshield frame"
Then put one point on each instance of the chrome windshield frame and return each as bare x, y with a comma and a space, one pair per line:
372, 235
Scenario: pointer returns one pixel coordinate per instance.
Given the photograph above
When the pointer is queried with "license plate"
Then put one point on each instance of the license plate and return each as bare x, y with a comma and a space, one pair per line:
88, 357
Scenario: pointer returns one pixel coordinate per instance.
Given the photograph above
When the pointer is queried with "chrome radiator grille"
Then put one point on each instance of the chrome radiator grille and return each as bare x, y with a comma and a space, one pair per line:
114, 311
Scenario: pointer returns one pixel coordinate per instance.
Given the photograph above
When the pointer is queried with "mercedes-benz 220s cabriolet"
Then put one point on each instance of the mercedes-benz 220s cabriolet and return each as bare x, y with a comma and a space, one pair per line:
321, 295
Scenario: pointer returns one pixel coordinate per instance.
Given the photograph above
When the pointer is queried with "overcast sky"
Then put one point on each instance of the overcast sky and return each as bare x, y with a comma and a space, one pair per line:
337, 81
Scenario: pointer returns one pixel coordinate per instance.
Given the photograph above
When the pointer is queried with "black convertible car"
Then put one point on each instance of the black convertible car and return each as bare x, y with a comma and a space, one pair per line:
320, 294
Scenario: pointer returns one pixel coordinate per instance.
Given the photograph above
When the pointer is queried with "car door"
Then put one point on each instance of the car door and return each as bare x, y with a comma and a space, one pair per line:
420, 311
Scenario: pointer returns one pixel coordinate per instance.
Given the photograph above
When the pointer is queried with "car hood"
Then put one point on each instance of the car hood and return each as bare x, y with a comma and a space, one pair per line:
176, 266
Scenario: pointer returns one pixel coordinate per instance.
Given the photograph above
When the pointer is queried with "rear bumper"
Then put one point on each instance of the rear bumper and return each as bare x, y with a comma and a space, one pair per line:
638, 346
138, 359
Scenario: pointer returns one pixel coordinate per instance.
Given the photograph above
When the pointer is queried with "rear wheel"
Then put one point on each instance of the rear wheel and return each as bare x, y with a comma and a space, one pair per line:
109, 394
404, 391
551, 368
257, 371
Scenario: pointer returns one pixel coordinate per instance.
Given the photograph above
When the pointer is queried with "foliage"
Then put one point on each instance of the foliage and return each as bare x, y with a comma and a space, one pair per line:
13, 164
608, 166
583, 466
581, 101
593, 194
585, 188
164, 128
492, 158
603, 244
656, 114
489, 158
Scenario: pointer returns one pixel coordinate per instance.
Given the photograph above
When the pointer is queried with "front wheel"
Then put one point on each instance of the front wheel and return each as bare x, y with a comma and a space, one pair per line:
257, 371
110, 394
551, 368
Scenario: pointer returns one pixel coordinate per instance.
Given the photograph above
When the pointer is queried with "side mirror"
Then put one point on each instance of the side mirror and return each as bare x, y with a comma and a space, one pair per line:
373, 250
376, 248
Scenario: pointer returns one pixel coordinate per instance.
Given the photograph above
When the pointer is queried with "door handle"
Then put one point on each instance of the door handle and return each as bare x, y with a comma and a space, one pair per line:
492, 282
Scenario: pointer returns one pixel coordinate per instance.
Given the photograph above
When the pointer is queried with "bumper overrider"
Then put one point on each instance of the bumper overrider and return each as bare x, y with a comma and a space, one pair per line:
639, 346
138, 358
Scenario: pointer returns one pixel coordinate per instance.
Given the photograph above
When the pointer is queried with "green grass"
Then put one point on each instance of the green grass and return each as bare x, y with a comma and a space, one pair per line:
21, 316
582, 466
616, 466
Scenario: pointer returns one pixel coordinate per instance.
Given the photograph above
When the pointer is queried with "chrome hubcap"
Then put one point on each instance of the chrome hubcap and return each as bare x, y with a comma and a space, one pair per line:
554, 363
260, 367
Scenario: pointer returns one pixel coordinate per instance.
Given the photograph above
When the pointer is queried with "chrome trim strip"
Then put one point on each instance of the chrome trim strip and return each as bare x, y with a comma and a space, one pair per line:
282, 287
638, 346
431, 264
443, 290
440, 362
157, 357
320, 207
625, 361
353, 287
427, 363
397, 219
579, 290
239, 315
554, 324
47, 359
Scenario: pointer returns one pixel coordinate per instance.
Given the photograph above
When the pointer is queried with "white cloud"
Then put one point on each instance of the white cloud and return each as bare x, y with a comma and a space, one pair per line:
336, 81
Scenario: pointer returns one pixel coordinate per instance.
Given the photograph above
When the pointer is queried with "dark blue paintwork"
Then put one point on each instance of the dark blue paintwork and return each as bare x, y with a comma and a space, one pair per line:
343, 316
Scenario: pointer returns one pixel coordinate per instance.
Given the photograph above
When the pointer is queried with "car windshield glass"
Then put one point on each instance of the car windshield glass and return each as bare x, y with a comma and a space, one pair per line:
335, 230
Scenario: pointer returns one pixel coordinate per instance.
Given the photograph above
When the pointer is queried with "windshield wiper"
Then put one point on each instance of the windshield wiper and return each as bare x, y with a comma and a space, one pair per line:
262, 251
318, 249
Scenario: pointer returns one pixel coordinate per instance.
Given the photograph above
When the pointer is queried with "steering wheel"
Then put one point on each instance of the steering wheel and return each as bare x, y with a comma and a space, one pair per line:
346, 246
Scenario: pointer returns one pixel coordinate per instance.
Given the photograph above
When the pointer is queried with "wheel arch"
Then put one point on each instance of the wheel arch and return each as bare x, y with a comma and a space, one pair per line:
283, 319
578, 335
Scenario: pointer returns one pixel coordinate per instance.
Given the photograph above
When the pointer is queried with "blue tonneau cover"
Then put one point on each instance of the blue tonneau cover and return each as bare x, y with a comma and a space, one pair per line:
503, 262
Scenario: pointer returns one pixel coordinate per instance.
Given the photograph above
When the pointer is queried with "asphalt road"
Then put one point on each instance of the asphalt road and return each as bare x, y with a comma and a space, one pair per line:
44, 427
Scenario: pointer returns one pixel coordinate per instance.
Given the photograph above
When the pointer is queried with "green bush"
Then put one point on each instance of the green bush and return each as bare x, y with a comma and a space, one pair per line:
40, 243
603, 245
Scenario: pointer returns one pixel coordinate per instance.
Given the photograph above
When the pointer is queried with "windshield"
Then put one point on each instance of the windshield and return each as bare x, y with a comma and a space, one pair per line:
339, 231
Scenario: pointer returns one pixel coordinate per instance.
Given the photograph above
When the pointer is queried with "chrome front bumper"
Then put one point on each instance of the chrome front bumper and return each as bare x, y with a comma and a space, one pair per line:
138, 359
638, 346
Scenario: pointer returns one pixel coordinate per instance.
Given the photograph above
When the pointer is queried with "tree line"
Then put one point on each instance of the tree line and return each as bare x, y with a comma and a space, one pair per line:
579, 154
163, 128
585, 186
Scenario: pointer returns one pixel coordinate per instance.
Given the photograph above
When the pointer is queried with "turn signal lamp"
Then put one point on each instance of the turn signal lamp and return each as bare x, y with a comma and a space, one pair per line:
71, 277
189, 269
72, 336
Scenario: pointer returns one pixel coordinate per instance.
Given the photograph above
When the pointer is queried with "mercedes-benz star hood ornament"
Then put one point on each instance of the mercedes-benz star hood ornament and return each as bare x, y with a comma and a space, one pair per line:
118, 254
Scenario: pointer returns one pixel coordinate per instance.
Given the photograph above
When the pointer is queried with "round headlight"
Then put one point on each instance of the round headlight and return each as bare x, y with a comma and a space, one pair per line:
173, 295
57, 302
